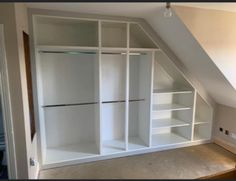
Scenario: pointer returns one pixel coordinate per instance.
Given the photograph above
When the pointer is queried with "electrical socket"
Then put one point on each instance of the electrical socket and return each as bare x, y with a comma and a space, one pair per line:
221, 129
226, 132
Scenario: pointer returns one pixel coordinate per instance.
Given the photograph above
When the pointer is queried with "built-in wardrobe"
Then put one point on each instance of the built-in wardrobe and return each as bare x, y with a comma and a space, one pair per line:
105, 89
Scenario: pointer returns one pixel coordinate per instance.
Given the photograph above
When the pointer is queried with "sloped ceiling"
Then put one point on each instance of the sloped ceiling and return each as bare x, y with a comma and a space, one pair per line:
173, 32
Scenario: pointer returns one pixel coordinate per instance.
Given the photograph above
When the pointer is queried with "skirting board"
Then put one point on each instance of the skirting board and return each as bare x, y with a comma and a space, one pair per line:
117, 155
228, 146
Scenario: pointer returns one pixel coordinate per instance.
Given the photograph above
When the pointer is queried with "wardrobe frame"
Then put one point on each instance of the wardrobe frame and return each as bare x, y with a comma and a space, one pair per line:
38, 95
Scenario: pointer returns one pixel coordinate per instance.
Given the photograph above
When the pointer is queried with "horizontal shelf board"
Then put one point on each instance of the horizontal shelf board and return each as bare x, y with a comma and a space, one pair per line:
111, 49
171, 91
144, 49
164, 123
198, 121
70, 152
64, 48
113, 146
169, 107
120, 101
167, 139
136, 143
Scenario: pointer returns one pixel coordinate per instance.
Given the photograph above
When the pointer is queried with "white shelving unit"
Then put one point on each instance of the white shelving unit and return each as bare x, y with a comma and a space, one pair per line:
172, 104
106, 89
203, 120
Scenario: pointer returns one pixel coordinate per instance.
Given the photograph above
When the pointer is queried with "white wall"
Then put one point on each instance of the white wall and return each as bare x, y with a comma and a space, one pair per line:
215, 31
13, 17
225, 118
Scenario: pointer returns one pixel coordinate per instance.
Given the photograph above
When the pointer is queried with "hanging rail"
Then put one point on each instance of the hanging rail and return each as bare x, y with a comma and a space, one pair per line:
75, 104
88, 103
88, 52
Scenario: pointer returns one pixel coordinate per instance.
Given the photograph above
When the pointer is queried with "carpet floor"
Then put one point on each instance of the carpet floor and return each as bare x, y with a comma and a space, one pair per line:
182, 163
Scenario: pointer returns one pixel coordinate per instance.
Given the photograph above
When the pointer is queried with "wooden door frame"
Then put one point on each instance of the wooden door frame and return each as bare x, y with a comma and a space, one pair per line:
6, 109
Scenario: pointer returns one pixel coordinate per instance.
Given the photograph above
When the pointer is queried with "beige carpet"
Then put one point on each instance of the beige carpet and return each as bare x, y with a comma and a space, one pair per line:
183, 163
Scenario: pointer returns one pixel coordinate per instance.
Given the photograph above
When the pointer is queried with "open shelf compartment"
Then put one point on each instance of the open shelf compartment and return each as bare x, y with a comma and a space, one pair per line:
113, 83
139, 38
114, 34
69, 105
171, 136
66, 32
203, 119
139, 90
172, 103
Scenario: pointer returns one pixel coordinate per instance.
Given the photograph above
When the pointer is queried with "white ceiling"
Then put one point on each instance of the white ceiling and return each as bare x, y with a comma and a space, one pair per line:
125, 9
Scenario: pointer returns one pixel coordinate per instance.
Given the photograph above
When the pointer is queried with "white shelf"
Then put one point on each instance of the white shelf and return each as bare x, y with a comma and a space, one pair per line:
169, 107
135, 143
198, 121
113, 146
167, 139
144, 49
171, 91
164, 123
70, 152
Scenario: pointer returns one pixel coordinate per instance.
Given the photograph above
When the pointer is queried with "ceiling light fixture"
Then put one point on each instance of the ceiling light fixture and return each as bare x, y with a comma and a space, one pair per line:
168, 12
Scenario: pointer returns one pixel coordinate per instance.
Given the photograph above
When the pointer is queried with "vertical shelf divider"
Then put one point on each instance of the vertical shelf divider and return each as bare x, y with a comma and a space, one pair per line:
127, 92
100, 84
194, 112
151, 98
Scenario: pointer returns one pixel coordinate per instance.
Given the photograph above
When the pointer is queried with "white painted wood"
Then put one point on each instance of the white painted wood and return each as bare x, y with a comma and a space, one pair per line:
169, 107
164, 69
140, 68
184, 131
162, 123
198, 121
43, 144
68, 78
202, 132
97, 98
118, 71
113, 121
151, 97
167, 139
127, 88
194, 115
113, 146
138, 37
6, 109
70, 152
58, 31
145, 89
70, 125
203, 119
100, 84
113, 77
114, 34
136, 143
171, 91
